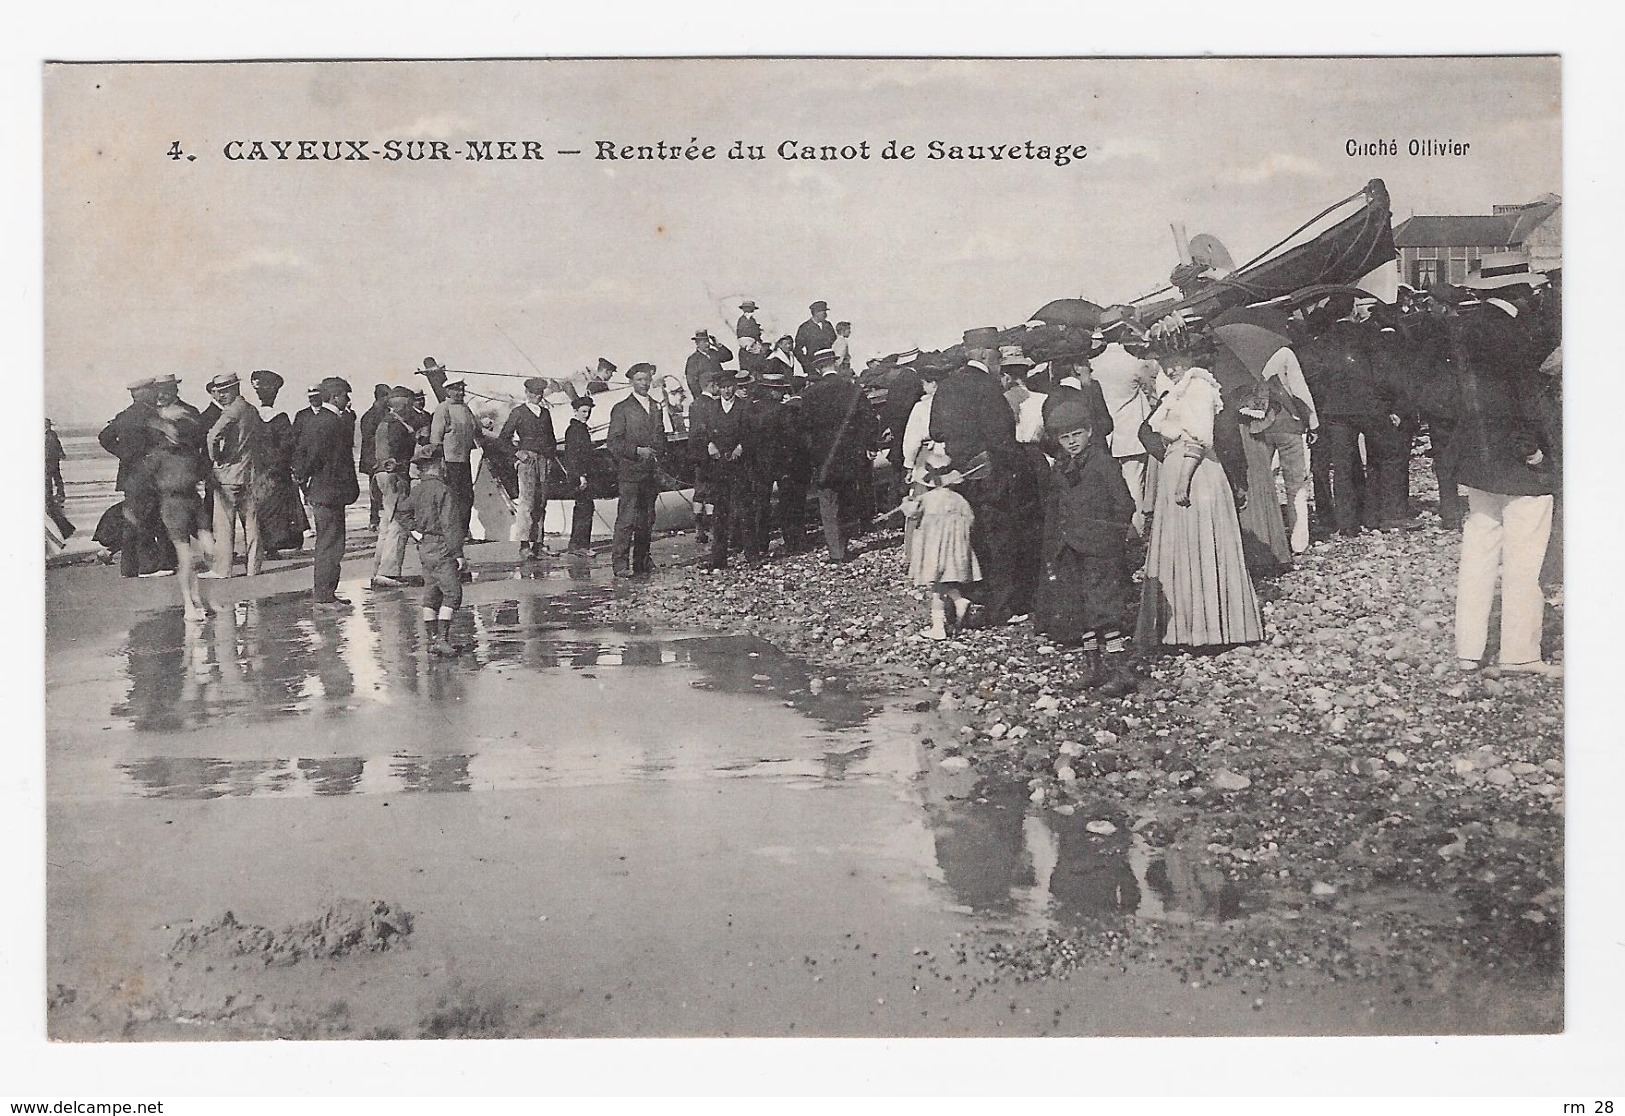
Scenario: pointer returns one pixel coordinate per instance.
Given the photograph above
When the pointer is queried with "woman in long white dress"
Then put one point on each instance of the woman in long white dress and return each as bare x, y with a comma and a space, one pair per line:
1196, 590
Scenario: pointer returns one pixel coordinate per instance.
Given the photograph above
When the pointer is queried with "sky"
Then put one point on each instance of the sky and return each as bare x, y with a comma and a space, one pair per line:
362, 269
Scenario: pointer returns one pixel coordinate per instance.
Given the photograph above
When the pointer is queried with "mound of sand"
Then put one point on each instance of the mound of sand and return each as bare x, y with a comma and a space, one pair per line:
344, 927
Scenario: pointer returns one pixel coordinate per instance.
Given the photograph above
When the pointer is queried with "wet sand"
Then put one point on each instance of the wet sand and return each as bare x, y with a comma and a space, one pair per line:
597, 831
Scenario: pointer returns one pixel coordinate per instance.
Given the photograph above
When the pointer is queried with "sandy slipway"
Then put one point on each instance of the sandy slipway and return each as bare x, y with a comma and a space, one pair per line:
1378, 813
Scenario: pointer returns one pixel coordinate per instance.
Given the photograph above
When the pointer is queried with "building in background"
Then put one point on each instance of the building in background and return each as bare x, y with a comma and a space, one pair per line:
1447, 249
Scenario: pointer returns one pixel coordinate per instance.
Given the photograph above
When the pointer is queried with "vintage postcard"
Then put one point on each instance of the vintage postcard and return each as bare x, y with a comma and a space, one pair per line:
804, 547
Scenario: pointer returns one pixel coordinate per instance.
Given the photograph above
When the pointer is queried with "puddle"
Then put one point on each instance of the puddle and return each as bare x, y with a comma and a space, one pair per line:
1000, 858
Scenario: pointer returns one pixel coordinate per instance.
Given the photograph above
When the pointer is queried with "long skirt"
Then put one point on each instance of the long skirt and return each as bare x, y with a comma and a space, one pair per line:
1082, 593
1196, 591
1263, 527
281, 514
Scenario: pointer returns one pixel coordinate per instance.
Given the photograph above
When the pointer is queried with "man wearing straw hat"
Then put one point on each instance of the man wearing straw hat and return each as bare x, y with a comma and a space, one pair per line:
234, 447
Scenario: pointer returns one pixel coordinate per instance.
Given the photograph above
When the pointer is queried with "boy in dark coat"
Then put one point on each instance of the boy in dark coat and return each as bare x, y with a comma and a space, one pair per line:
578, 474
1084, 597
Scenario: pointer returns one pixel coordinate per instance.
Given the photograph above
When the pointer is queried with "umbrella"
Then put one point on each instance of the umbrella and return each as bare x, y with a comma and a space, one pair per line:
1252, 344
1069, 311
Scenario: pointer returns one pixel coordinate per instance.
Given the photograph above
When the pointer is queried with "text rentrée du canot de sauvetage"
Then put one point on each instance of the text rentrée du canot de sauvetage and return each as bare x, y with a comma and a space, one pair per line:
692, 150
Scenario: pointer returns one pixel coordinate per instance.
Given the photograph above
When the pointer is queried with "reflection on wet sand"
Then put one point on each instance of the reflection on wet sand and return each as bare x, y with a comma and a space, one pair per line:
998, 857
271, 659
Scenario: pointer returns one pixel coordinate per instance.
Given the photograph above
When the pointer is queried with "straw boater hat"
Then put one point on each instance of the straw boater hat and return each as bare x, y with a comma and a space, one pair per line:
223, 380
1011, 356
747, 305
823, 358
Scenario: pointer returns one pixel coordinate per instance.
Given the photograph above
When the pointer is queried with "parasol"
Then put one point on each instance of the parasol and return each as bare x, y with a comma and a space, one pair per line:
1253, 344
1069, 311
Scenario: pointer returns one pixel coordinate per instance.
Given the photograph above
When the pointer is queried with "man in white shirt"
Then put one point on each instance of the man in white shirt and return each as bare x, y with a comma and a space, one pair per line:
1283, 430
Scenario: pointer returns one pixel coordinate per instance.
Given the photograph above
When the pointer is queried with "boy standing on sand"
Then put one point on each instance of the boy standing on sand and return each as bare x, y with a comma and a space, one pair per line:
430, 513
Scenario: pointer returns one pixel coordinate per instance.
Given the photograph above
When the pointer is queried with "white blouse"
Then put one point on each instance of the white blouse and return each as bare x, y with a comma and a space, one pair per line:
1186, 411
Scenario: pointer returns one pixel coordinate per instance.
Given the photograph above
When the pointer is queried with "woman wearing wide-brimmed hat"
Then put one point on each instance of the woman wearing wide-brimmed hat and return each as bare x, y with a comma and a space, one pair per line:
1196, 590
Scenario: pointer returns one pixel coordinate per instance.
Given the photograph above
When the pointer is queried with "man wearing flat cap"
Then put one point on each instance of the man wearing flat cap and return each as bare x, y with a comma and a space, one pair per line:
637, 440
234, 450
813, 336
454, 430
131, 436
705, 362
367, 430
324, 464
529, 432
394, 442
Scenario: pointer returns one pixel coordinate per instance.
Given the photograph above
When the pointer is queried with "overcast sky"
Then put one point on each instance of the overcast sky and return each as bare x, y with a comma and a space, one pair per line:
363, 269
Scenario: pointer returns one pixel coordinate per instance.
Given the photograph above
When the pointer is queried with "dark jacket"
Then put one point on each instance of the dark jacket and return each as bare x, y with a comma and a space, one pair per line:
704, 367
534, 432
632, 428
970, 415
324, 460
393, 443
812, 336
728, 432
905, 390
748, 326
578, 454
371, 419
840, 427
130, 437
1499, 425
428, 509
1087, 507
1340, 368
792, 457
703, 413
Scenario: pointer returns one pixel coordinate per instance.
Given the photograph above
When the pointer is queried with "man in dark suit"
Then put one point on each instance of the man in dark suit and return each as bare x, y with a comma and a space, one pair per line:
813, 336
785, 432
637, 440
324, 463
368, 432
705, 362
529, 430
132, 435
725, 448
578, 456
970, 416
840, 426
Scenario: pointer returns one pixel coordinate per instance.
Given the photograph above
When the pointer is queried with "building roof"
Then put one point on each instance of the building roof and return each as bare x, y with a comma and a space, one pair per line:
1455, 232
1504, 230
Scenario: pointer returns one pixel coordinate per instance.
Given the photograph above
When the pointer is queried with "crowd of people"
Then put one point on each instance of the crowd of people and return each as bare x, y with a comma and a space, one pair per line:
1116, 488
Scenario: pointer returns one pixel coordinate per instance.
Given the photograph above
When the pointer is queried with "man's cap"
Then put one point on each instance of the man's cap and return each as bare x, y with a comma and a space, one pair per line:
747, 305
983, 337
641, 366
265, 375
449, 384
702, 334
605, 365
223, 380
168, 379
334, 385
1067, 414
819, 305
140, 382
536, 385
823, 357
399, 392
